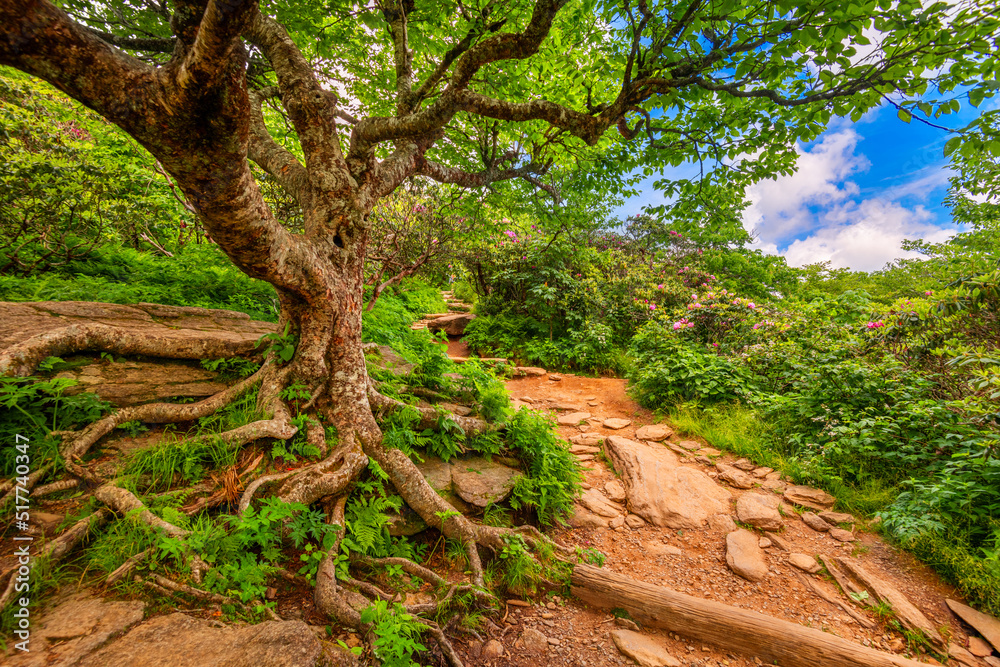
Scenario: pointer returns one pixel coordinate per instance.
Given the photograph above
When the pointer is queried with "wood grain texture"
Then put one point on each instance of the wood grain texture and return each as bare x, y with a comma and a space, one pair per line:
750, 633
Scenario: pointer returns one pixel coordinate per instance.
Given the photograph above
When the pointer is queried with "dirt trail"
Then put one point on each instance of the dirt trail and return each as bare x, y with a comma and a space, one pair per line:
694, 562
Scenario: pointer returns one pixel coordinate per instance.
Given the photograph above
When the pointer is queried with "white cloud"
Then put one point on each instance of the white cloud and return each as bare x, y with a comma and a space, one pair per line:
819, 214
865, 236
781, 208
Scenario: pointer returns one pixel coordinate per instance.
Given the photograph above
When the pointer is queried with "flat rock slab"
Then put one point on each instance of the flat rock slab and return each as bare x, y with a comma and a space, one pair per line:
815, 522
616, 423
744, 555
178, 640
453, 325
573, 418
596, 502
836, 518
480, 482
529, 371
645, 651
21, 321
653, 432
133, 382
662, 491
807, 496
906, 612
985, 624
587, 439
76, 627
759, 510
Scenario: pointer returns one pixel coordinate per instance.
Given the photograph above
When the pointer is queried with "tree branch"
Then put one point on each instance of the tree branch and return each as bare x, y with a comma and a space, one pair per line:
274, 158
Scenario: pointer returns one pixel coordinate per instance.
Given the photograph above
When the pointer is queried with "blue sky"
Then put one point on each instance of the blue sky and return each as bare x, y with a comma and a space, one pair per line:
859, 191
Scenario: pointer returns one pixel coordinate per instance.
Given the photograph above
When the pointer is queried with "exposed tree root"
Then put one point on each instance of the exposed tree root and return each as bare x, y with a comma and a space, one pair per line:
76, 445
29, 484
124, 503
429, 417
55, 487
54, 550
23, 358
126, 568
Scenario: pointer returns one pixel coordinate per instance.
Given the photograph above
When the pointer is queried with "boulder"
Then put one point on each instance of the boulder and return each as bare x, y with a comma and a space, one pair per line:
759, 510
480, 482
654, 432
662, 491
616, 424
573, 418
178, 640
744, 556
804, 563
734, 476
453, 325
643, 650
807, 496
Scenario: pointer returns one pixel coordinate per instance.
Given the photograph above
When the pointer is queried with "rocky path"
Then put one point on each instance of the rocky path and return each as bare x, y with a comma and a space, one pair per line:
675, 512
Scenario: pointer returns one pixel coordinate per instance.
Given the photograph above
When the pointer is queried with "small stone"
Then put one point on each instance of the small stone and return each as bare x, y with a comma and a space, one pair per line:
896, 645
634, 521
842, 535
722, 523
836, 518
518, 603
583, 449
804, 563
760, 473
616, 424
764, 543
593, 404
626, 623
653, 432
710, 451
661, 549
746, 465
617, 522
573, 418
979, 647
553, 641
547, 615
550, 605
645, 651
809, 497
492, 650
734, 476
534, 641
689, 445
815, 522
555, 378
615, 491
704, 460
744, 556
992, 661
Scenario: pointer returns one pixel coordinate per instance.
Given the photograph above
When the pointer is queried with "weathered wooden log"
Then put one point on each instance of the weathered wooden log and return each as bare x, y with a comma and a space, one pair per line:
731, 628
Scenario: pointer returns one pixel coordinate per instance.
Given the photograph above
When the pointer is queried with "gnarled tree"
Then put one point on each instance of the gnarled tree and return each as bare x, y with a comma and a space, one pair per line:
464, 93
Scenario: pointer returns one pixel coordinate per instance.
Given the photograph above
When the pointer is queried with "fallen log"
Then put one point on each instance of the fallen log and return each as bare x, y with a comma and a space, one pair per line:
731, 628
